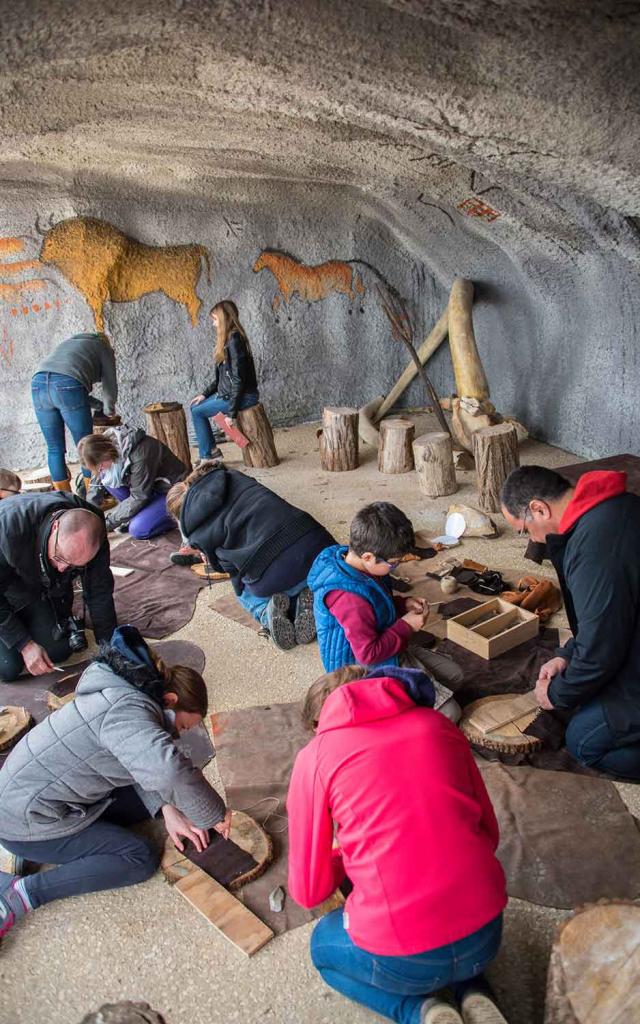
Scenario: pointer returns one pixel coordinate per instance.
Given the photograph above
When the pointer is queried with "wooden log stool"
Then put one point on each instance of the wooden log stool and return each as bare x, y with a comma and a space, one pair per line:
339, 439
261, 452
395, 454
495, 450
433, 454
167, 422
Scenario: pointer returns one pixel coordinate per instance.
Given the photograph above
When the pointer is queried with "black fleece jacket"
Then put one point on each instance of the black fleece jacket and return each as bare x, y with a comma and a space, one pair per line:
236, 375
598, 566
21, 580
240, 525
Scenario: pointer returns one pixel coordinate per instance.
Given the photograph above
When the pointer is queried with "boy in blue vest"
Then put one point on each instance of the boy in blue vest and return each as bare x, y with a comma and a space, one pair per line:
358, 618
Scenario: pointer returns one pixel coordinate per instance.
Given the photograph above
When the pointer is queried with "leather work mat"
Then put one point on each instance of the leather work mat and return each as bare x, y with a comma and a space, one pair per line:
255, 749
158, 598
564, 840
31, 691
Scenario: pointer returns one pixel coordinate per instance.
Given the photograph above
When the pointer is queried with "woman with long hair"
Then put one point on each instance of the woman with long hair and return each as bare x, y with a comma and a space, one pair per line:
106, 760
234, 385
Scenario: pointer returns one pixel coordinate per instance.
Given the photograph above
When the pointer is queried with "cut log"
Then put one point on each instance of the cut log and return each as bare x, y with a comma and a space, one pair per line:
426, 350
434, 464
495, 451
167, 422
339, 439
395, 454
470, 378
261, 452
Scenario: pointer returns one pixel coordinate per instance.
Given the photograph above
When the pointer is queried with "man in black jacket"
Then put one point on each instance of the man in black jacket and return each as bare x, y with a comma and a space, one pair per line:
47, 541
592, 534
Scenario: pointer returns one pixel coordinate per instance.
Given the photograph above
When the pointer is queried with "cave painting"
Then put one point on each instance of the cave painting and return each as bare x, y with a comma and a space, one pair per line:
11, 290
311, 282
477, 208
106, 265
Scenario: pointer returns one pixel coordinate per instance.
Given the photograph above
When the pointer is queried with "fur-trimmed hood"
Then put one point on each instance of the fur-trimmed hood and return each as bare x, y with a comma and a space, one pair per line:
128, 658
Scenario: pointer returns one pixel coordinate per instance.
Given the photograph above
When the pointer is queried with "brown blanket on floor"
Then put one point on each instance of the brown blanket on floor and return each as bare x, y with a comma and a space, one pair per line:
255, 749
564, 840
30, 692
159, 598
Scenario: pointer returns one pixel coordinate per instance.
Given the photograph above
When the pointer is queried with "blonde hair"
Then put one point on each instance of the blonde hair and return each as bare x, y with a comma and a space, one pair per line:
177, 493
228, 322
187, 684
10, 481
94, 448
320, 690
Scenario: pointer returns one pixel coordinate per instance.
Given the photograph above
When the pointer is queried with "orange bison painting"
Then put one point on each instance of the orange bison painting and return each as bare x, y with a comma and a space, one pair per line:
106, 265
312, 283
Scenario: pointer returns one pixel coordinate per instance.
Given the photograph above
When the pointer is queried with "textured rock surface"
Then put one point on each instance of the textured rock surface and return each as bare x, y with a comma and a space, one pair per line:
346, 131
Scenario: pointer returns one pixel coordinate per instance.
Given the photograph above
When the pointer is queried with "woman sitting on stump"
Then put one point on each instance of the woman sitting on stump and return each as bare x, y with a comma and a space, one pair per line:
137, 470
234, 386
264, 543
105, 761
387, 799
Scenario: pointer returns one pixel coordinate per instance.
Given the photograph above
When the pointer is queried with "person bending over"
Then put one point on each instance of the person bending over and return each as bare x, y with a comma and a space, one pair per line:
358, 618
61, 393
137, 470
104, 761
592, 536
416, 845
47, 541
234, 385
263, 542
10, 484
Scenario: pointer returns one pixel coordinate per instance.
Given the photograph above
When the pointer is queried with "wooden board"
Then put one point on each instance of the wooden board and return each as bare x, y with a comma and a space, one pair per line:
508, 738
238, 925
492, 628
201, 570
14, 723
491, 716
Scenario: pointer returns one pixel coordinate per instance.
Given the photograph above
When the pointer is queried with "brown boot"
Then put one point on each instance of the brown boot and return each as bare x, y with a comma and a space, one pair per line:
62, 485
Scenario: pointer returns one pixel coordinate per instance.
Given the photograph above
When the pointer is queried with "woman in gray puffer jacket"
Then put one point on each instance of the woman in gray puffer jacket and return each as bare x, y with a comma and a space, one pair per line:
103, 761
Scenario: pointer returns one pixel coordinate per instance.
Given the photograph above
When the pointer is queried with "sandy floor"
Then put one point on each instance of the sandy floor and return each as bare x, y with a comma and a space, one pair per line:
145, 943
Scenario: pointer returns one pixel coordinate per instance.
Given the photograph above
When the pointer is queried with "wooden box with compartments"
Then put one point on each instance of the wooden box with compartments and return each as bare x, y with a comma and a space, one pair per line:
492, 628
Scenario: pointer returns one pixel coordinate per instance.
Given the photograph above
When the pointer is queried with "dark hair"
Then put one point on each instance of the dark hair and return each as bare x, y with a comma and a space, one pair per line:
320, 690
529, 482
383, 529
187, 684
10, 481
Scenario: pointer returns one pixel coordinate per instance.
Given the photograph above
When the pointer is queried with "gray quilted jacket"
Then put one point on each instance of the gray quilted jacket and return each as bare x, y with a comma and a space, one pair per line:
60, 777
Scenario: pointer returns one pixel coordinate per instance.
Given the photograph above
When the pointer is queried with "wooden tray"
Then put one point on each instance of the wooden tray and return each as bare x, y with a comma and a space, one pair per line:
492, 628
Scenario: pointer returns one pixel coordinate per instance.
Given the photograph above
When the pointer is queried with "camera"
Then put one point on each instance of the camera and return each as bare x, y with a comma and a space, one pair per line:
73, 630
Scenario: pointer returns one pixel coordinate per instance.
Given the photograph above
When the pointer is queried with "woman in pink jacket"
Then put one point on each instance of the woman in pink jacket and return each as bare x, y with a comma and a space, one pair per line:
415, 835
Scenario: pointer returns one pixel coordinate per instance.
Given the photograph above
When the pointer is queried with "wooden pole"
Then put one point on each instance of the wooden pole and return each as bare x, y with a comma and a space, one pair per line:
395, 454
495, 451
339, 439
261, 452
470, 378
433, 456
426, 350
167, 422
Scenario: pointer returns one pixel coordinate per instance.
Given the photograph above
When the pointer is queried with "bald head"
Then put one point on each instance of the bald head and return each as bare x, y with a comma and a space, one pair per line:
76, 537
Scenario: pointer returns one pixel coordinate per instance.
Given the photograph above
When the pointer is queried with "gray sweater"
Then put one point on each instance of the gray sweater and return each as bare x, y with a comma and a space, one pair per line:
89, 359
60, 777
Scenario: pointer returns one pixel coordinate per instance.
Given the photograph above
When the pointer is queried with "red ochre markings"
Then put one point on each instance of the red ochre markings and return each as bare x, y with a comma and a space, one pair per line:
474, 207
37, 308
11, 245
6, 347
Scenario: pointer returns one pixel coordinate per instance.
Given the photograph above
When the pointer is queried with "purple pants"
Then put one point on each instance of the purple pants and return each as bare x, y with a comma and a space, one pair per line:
150, 520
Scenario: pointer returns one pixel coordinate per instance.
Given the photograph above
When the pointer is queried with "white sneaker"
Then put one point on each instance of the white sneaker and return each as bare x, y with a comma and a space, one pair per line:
477, 1008
435, 1011
10, 863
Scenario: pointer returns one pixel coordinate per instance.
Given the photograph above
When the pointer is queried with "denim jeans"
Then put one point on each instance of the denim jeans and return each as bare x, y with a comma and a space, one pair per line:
202, 412
590, 740
60, 401
151, 520
257, 606
397, 986
103, 856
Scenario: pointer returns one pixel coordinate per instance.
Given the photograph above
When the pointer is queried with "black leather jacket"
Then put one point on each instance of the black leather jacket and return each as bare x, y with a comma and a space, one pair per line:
236, 375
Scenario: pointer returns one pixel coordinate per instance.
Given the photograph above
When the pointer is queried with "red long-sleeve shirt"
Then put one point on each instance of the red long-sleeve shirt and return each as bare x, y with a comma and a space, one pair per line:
358, 619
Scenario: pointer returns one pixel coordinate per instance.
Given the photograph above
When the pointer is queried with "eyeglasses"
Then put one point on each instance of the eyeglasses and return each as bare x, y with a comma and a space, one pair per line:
523, 529
59, 558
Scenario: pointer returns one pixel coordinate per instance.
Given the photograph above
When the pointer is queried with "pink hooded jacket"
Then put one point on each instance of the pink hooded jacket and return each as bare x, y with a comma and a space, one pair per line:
415, 827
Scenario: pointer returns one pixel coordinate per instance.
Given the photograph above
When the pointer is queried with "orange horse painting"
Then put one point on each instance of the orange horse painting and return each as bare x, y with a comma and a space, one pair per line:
311, 282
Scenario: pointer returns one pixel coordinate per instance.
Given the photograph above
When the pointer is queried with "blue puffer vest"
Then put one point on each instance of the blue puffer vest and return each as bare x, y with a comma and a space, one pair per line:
331, 572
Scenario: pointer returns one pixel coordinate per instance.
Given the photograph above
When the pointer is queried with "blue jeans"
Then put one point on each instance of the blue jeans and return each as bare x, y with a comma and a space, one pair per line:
397, 986
104, 856
61, 401
590, 739
201, 413
257, 606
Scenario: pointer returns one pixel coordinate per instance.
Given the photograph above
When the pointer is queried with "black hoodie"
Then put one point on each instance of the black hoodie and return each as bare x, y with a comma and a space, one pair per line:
240, 525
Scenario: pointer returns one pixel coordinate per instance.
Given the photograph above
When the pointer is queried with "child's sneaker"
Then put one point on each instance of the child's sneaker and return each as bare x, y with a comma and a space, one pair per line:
280, 625
436, 1011
304, 622
478, 1008
14, 902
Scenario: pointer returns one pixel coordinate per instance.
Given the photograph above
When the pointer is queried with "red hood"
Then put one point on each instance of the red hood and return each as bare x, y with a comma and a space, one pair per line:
364, 700
592, 489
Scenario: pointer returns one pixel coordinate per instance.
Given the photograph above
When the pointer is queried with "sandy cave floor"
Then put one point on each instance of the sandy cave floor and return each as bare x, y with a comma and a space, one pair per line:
146, 943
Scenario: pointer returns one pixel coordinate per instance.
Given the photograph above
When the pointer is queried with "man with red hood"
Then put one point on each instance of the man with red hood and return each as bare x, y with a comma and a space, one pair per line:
592, 536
